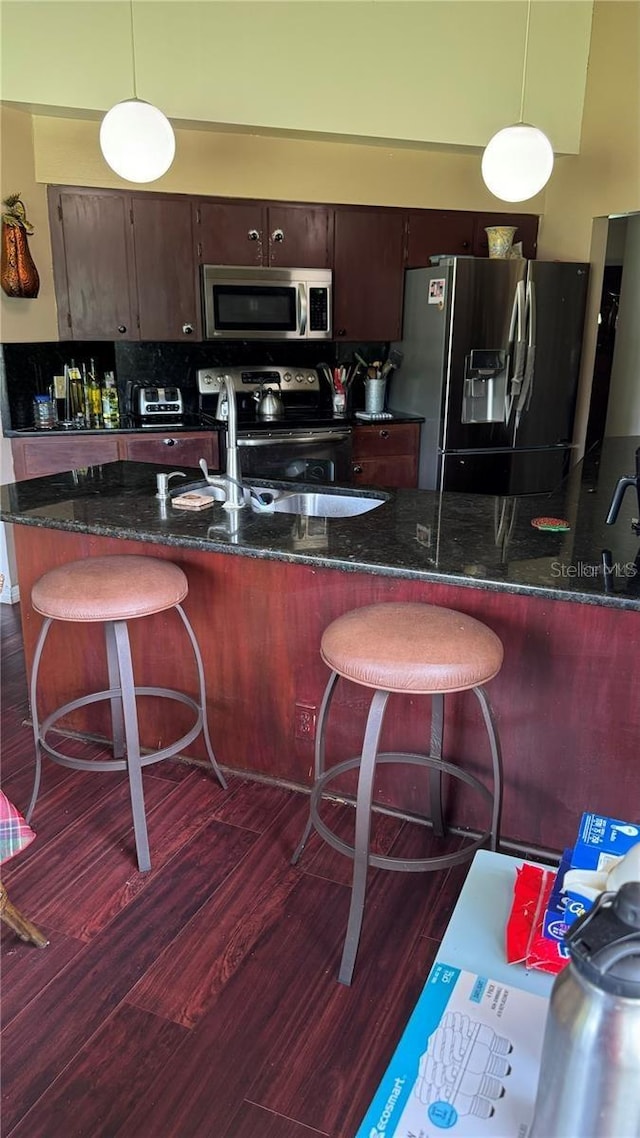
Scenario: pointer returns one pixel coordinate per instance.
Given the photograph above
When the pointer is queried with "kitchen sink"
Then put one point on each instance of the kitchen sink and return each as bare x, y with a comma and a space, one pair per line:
316, 504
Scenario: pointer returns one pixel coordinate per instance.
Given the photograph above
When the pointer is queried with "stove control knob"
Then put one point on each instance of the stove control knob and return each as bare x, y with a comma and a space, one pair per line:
287, 377
310, 379
299, 378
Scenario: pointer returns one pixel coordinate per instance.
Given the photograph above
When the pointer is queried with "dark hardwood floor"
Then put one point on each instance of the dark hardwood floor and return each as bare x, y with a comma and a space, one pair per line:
199, 999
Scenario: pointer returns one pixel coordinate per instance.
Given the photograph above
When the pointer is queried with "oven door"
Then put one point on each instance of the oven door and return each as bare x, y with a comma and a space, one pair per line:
322, 455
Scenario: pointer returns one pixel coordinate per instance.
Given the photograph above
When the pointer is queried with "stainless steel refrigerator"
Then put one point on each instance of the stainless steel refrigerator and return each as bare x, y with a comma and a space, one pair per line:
491, 355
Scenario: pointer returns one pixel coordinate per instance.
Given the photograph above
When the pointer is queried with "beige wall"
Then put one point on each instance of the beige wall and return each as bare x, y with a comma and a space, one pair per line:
432, 71
24, 320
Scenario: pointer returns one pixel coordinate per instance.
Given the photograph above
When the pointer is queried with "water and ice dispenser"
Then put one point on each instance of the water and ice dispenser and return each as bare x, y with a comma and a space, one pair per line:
484, 398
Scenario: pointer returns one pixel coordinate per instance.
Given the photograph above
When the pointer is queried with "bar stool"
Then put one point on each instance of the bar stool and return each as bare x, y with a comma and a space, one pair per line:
112, 591
419, 649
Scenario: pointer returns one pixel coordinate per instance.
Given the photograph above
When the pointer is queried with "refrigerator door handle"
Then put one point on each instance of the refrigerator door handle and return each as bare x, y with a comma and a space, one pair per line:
517, 337
526, 391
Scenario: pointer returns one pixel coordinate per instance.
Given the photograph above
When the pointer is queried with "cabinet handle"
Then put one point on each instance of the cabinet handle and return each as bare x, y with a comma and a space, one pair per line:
187, 329
357, 470
466, 244
277, 235
253, 235
341, 331
122, 327
169, 442
384, 434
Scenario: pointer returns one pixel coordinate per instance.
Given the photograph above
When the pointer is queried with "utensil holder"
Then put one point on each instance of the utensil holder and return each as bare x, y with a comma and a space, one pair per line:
374, 390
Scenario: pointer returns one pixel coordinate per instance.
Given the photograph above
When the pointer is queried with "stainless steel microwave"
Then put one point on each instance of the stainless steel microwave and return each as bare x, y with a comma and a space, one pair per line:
241, 303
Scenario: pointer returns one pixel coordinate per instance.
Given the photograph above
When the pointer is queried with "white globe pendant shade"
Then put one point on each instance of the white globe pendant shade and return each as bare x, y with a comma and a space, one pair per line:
137, 141
517, 162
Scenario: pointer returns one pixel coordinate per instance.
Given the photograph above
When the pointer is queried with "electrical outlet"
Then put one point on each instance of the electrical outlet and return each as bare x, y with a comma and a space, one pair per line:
305, 721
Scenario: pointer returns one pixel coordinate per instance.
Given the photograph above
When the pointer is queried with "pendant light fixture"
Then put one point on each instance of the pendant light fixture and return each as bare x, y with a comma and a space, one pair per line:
136, 139
518, 160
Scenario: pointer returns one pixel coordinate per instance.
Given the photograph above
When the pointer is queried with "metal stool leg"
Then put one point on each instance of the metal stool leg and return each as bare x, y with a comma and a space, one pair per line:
134, 768
435, 776
319, 755
496, 759
362, 835
203, 697
34, 715
117, 720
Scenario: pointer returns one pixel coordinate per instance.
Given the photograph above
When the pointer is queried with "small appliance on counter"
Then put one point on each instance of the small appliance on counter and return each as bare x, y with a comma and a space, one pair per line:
153, 406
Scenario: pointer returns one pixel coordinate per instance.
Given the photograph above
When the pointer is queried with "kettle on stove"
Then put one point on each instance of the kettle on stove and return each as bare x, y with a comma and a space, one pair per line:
270, 405
589, 1083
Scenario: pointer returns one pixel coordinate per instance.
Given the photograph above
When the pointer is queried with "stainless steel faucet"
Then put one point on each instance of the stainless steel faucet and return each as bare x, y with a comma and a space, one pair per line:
231, 480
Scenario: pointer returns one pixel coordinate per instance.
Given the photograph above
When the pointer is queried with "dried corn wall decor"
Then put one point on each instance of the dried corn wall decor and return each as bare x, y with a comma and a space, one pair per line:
18, 274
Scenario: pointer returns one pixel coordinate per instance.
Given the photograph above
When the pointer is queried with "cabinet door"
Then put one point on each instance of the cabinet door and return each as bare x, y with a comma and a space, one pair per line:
526, 231
368, 274
91, 237
181, 449
300, 236
166, 269
231, 233
432, 231
33, 458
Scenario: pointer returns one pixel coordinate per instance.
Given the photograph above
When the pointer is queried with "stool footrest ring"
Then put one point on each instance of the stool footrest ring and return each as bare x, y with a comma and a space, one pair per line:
119, 764
409, 865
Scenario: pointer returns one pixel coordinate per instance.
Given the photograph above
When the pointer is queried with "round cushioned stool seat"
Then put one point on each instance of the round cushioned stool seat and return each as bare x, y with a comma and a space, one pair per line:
109, 588
412, 648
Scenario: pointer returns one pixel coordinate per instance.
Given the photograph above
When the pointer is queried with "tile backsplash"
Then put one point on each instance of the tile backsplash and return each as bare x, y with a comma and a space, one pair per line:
28, 369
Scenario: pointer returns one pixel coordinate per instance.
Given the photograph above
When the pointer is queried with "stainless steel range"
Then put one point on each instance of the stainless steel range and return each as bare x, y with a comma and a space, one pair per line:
293, 436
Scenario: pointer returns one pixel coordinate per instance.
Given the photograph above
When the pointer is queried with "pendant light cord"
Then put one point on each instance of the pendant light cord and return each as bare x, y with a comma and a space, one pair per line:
133, 50
524, 64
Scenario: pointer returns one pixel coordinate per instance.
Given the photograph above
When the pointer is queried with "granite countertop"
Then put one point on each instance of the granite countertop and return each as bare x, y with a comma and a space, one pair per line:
194, 422
462, 539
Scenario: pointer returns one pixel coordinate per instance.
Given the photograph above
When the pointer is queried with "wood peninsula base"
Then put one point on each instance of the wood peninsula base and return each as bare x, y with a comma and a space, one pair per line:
567, 711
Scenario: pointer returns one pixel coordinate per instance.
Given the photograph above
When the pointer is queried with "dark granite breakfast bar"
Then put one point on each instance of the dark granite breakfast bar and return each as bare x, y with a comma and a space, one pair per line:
263, 587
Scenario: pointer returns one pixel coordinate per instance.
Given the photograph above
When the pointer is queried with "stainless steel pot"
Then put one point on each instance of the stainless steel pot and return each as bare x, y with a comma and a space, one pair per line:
589, 1083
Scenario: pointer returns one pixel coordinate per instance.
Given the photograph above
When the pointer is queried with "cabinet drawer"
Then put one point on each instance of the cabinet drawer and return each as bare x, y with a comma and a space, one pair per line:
395, 471
385, 439
34, 458
181, 449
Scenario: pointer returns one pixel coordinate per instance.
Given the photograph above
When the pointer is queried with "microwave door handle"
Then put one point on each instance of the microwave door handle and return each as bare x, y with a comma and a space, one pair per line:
302, 309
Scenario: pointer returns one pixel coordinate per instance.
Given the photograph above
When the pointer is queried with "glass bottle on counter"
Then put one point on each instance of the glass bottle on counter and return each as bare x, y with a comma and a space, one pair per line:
76, 394
110, 405
94, 398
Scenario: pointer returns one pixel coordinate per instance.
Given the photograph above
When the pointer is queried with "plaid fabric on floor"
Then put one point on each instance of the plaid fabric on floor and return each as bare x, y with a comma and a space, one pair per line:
15, 833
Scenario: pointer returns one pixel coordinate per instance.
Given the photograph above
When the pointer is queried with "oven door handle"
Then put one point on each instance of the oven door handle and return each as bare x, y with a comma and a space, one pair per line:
286, 436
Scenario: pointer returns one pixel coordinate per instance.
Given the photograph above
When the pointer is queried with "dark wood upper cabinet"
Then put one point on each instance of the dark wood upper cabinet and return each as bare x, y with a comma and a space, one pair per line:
432, 231
526, 231
462, 233
368, 273
92, 243
166, 270
300, 236
257, 233
230, 233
